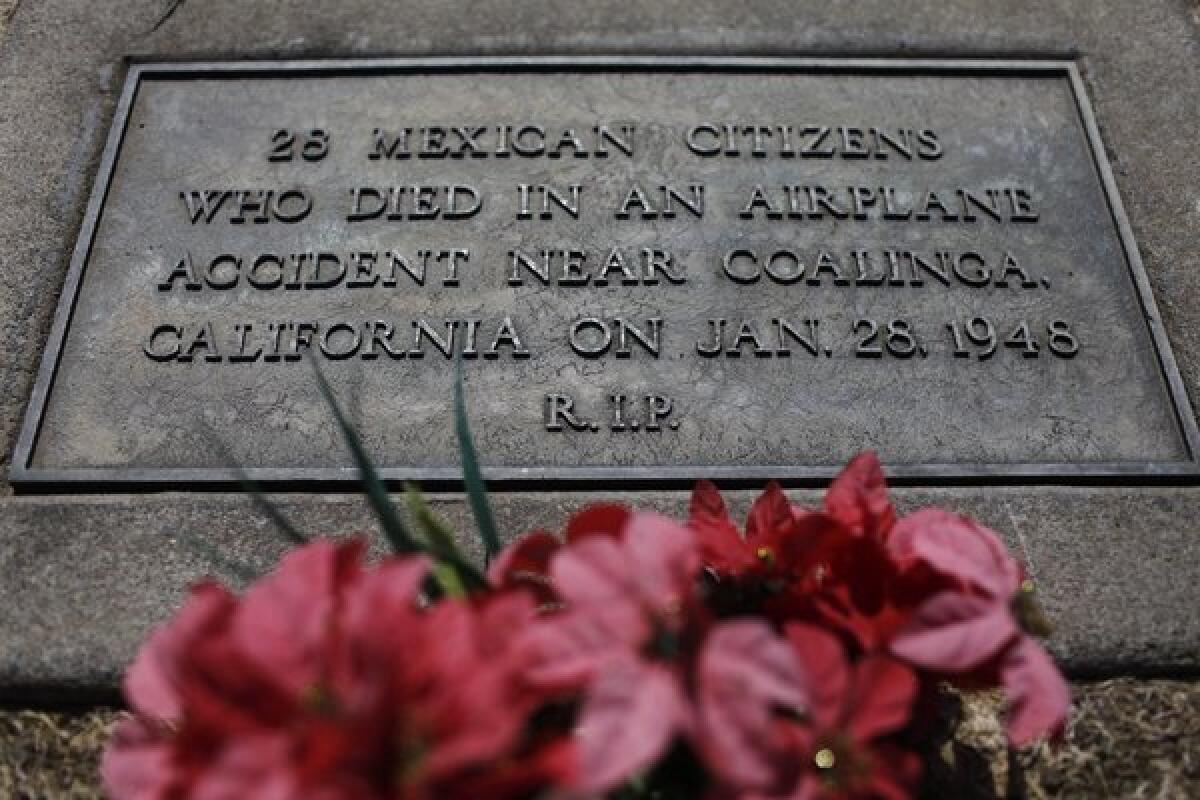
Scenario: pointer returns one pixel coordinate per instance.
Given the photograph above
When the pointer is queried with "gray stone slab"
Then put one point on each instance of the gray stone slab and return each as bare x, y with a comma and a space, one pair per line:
924, 255
85, 577
82, 576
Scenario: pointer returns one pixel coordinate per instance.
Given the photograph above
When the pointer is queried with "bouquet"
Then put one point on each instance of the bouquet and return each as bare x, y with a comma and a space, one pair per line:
634, 656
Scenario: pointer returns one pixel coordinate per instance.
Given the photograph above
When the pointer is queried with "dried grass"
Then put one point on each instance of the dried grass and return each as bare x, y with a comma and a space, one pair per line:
1129, 739
45, 755
7, 9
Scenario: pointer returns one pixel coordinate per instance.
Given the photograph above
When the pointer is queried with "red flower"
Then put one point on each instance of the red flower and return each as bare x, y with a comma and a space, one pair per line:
818, 727
858, 498
327, 680
525, 563
972, 630
768, 526
856, 502
828, 566
630, 606
781, 543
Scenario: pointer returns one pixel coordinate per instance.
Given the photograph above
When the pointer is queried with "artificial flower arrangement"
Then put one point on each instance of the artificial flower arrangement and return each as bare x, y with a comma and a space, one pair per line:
635, 656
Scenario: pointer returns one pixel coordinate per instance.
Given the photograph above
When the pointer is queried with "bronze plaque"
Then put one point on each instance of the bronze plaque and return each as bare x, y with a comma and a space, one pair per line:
652, 270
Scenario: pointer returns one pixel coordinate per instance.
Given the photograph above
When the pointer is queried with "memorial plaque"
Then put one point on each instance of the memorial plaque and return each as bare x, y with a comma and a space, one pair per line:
651, 269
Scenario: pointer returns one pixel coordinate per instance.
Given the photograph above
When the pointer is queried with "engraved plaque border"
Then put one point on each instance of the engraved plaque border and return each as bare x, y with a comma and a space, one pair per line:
27, 478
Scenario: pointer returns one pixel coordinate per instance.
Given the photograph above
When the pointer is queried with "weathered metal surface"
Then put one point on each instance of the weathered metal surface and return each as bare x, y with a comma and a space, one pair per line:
774, 262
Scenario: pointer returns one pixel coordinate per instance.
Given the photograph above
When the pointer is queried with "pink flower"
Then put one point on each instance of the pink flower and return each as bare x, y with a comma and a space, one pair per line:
630, 609
746, 676
141, 762
972, 630
329, 680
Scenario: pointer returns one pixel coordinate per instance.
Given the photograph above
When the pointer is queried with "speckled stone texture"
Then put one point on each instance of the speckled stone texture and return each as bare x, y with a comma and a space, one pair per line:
82, 577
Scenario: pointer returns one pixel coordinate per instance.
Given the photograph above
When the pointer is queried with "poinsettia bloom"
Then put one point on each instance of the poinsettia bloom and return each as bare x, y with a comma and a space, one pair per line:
973, 628
770, 570
782, 539
525, 563
630, 609
862, 590
828, 565
778, 543
327, 680
858, 498
855, 709
746, 675
811, 725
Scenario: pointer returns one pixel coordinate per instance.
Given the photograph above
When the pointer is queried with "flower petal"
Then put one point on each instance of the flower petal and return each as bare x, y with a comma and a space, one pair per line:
1039, 698
498, 617
629, 717
896, 772
137, 764
152, 681
568, 649
663, 559
770, 516
721, 546
384, 598
953, 632
959, 548
599, 519
707, 507
283, 622
813, 538
745, 672
882, 698
858, 497
824, 670
256, 766
529, 555
595, 576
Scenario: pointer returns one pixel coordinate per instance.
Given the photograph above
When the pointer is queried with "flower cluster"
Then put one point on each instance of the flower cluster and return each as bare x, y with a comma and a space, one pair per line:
332, 680
634, 656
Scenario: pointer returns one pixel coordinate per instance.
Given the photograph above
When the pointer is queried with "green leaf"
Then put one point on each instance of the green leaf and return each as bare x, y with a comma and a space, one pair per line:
397, 535
440, 542
439, 537
472, 476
